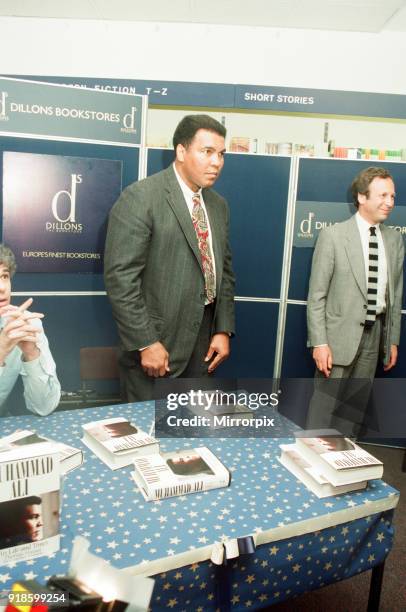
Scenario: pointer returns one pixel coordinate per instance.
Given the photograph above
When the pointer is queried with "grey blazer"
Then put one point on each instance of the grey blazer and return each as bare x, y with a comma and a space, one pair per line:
153, 272
337, 299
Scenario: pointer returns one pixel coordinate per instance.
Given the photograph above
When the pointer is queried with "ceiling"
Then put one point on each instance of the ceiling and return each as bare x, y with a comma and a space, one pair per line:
349, 15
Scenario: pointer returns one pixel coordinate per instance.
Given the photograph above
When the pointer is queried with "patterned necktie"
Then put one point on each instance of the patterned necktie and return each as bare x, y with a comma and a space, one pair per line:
372, 285
202, 232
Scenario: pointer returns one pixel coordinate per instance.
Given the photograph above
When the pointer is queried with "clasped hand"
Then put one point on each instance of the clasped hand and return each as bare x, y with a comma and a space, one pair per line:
20, 329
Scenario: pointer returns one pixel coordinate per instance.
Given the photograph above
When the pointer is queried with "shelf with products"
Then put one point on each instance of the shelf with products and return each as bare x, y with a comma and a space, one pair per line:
277, 133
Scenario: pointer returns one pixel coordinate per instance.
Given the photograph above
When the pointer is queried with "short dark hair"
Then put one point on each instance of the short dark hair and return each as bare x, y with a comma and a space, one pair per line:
190, 124
8, 259
363, 180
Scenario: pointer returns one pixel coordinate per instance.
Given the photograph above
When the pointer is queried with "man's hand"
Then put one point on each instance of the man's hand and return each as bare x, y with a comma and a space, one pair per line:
323, 357
220, 344
19, 330
393, 358
155, 360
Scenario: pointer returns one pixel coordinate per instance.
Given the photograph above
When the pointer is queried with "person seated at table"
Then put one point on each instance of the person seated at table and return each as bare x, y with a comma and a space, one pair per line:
24, 349
21, 521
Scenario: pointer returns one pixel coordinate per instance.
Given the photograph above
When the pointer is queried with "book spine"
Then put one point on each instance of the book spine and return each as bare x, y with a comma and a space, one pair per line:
190, 486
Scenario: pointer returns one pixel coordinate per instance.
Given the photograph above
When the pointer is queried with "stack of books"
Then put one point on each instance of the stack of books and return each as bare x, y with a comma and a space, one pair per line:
158, 475
329, 464
117, 442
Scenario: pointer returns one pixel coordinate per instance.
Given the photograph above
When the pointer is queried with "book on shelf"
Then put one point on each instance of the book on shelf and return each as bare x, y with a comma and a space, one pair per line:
179, 472
117, 442
29, 502
339, 459
311, 476
69, 456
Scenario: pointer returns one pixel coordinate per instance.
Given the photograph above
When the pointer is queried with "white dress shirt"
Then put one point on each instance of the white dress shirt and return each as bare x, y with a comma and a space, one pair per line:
363, 227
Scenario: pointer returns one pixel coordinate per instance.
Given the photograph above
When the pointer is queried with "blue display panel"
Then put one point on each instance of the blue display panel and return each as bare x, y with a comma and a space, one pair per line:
256, 188
253, 347
399, 371
72, 323
297, 361
129, 163
158, 159
323, 188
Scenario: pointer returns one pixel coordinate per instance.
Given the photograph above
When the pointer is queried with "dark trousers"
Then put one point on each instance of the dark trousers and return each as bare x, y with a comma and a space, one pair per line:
340, 401
136, 386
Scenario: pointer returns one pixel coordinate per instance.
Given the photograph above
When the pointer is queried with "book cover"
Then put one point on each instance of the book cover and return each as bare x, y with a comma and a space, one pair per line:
311, 476
29, 503
116, 441
69, 456
179, 473
340, 459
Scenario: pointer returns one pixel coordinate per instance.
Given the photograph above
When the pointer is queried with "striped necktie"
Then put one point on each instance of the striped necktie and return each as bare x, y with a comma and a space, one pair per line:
372, 286
202, 232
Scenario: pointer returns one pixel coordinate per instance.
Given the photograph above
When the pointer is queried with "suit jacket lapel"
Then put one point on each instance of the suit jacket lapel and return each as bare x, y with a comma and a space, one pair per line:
355, 254
177, 202
386, 237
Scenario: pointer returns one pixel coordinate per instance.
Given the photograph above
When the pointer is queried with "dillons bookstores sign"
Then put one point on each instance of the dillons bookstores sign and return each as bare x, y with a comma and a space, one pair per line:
28, 107
312, 217
55, 209
128, 121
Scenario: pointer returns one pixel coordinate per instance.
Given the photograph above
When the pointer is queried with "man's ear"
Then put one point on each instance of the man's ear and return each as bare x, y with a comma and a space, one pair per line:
180, 152
362, 198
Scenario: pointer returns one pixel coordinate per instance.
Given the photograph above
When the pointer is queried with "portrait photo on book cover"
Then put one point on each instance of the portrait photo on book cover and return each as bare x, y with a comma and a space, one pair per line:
29, 519
189, 464
106, 431
32, 438
331, 444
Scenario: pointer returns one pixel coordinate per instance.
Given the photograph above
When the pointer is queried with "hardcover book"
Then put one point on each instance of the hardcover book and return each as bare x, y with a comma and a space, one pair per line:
29, 503
69, 456
179, 472
339, 459
117, 442
311, 476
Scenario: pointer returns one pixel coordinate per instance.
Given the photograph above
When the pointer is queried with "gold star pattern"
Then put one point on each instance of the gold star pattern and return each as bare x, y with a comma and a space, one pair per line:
172, 603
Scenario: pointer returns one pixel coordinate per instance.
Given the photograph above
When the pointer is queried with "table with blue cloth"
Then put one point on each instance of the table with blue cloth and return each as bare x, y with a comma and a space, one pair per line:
302, 542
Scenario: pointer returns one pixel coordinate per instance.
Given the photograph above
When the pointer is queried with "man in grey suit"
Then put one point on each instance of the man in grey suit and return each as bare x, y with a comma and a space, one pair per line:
168, 267
355, 293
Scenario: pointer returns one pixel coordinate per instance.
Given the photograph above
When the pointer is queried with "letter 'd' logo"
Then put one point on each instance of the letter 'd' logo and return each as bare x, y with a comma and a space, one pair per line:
3, 96
129, 119
306, 224
71, 196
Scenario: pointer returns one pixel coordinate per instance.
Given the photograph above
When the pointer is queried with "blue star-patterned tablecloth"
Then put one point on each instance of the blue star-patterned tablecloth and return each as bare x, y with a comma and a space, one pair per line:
302, 542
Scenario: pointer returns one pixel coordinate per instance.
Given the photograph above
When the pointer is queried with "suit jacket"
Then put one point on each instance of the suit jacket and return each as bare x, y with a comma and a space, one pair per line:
337, 299
153, 271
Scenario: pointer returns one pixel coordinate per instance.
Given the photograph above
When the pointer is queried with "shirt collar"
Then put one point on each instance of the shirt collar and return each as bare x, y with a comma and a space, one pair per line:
363, 225
187, 192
